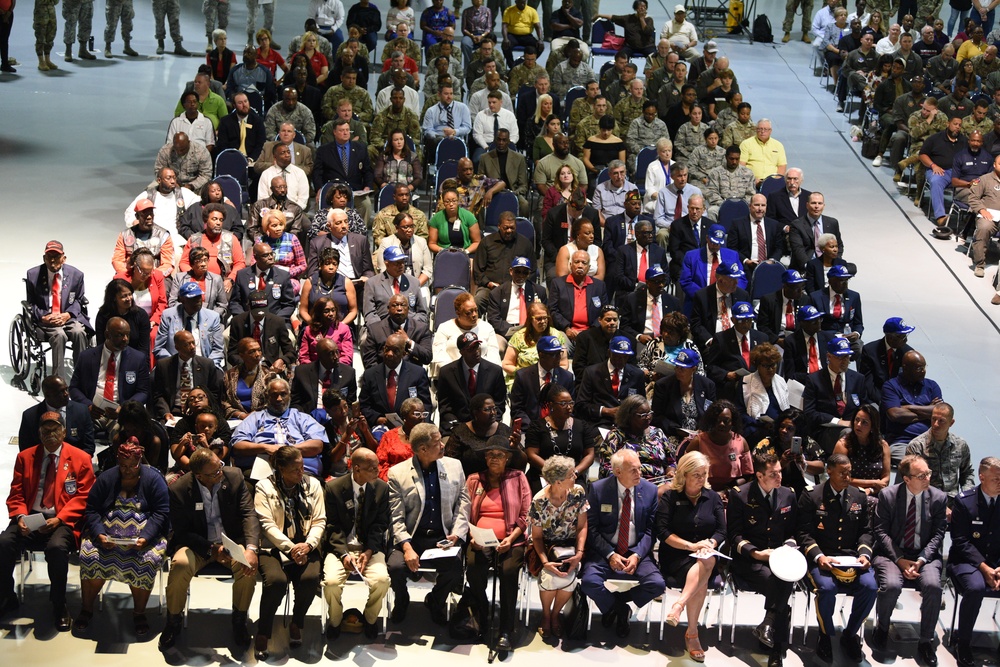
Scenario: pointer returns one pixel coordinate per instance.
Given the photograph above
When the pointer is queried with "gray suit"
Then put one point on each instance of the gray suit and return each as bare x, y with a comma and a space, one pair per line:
378, 291
215, 299
890, 527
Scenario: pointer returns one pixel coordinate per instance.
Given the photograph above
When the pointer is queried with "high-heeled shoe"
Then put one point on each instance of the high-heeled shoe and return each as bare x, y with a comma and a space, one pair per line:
674, 617
693, 646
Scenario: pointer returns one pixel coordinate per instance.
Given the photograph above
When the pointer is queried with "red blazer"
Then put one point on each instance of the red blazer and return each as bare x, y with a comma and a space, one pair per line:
69, 507
158, 291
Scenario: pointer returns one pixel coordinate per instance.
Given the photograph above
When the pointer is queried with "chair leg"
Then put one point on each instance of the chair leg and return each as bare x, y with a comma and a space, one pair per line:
732, 618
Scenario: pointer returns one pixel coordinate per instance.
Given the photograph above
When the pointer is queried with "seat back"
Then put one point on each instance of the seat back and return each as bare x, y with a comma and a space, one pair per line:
772, 183
449, 149
324, 191
766, 279
597, 31
385, 195
452, 269
232, 190
444, 305
526, 229
572, 95
603, 176
445, 171
645, 158
256, 101
505, 200
231, 162
732, 209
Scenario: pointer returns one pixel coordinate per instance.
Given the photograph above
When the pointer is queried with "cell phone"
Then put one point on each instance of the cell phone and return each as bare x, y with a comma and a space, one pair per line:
444, 544
516, 425
356, 409
796, 445
564, 566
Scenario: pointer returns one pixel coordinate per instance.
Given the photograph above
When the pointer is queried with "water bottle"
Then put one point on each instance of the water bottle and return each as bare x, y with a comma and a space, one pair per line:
90, 43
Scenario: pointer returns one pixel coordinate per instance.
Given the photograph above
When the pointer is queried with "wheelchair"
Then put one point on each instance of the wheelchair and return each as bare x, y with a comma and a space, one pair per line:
28, 351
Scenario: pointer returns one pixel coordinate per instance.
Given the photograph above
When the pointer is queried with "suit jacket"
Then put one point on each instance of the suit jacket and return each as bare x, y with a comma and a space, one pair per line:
378, 332
622, 277
743, 230
779, 206
850, 311
591, 348
357, 245
819, 402
79, 427
694, 271
527, 386
771, 313
407, 494
328, 166
556, 229
305, 385
874, 365
595, 392
132, 376
667, 400
453, 390
975, 531
411, 380
683, 239
603, 516
562, 300
276, 340
341, 510
216, 298
825, 528
27, 476
378, 290
517, 170
71, 293
633, 311
187, 513
815, 274
795, 360
705, 312
303, 157
890, 523
753, 526
802, 244
499, 303
280, 291
228, 134
724, 355
210, 331
616, 235
166, 377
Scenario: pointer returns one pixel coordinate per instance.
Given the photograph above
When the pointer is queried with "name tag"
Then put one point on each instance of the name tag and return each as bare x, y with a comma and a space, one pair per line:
199, 507
271, 339
73, 432
631, 392
129, 377
349, 504
413, 392
977, 523
275, 291
786, 510
821, 512
597, 301
457, 227
606, 509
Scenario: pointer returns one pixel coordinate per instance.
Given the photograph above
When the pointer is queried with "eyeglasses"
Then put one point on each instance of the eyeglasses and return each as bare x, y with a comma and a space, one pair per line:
212, 474
422, 415
643, 415
922, 476
564, 404
491, 410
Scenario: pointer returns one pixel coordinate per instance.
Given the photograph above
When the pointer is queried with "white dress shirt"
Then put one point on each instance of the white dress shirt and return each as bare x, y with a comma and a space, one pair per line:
298, 184
102, 376
482, 129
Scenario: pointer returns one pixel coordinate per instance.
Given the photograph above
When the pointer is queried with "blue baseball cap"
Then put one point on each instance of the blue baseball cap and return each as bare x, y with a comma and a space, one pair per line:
654, 272
549, 344
733, 270
717, 234
839, 271
393, 254
743, 311
792, 277
839, 347
687, 359
809, 313
188, 290
521, 263
621, 345
896, 325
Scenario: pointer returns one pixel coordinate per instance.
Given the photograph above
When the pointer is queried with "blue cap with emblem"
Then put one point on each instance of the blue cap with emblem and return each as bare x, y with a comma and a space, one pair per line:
687, 359
792, 277
717, 234
809, 313
743, 311
732, 270
549, 344
839, 271
839, 347
655, 272
896, 325
521, 263
393, 254
620, 345
189, 290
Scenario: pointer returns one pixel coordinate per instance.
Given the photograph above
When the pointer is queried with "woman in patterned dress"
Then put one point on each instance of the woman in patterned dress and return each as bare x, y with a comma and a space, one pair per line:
633, 431
287, 250
127, 519
867, 450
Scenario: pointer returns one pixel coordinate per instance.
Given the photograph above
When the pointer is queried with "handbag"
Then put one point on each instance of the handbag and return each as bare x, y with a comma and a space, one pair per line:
464, 623
613, 41
576, 620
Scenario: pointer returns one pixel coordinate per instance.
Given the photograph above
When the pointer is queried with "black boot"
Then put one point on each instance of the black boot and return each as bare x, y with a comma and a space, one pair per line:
171, 632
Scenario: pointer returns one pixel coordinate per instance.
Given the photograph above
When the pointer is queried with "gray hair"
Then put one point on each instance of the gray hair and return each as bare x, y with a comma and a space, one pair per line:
410, 406
663, 142
825, 238
615, 164
396, 54
628, 409
618, 458
422, 435
791, 169
765, 120
335, 211
217, 33
282, 126
556, 468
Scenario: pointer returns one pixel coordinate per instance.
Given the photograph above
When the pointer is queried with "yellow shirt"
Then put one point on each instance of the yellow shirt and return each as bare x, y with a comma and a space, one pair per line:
762, 159
970, 50
520, 22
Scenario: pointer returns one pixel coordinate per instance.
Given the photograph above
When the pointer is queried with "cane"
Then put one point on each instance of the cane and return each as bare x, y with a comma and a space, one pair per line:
490, 636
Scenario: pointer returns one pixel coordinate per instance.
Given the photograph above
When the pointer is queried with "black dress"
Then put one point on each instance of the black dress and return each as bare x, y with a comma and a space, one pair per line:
573, 443
675, 514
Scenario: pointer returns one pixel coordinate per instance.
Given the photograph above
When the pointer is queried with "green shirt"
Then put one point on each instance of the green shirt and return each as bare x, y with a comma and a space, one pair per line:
214, 108
440, 223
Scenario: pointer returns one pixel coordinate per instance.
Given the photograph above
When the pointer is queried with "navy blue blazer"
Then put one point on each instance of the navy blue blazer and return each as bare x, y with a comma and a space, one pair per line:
71, 293
595, 391
795, 360
280, 292
562, 300
975, 531
819, 402
705, 312
633, 310
133, 376
603, 516
850, 311
499, 303
890, 523
874, 365
771, 314
741, 234
694, 271
524, 404
667, 401
615, 233
779, 206
327, 166
623, 276
79, 427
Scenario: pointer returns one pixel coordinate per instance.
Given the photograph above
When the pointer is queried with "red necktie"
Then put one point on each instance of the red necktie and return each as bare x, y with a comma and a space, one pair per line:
548, 377
395, 286
890, 357
261, 284
623, 522
544, 411
327, 381
109, 379
745, 350
677, 206
724, 314
789, 317
910, 532
837, 308
761, 243
643, 266
813, 356
614, 383
522, 316
256, 332
656, 318
472, 382
390, 390
839, 393
49, 490
715, 265
56, 300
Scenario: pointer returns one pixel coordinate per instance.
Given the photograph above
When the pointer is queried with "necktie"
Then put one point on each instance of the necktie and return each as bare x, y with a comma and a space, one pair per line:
623, 522
109, 379
496, 125
697, 235
789, 317
451, 117
724, 314
745, 350
655, 318
390, 390
56, 297
472, 382
359, 512
910, 532
49, 490
261, 283
395, 286
187, 382
838, 310
839, 393
643, 265
817, 232
770, 501
761, 243
522, 307
291, 153
677, 206
813, 356
614, 383
715, 265
343, 157
548, 377
189, 324
243, 137
256, 332
327, 380
890, 357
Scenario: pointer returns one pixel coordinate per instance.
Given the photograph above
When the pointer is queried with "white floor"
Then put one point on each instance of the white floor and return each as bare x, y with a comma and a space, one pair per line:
78, 144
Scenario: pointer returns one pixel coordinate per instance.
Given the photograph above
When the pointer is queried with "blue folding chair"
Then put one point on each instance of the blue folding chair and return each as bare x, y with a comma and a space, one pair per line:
766, 279
232, 190
299, 138
600, 28
256, 101
385, 195
452, 269
519, 96
449, 149
603, 176
572, 95
323, 193
505, 200
231, 162
645, 158
772, 183
445, 171
526, 229
444, 305
731, 210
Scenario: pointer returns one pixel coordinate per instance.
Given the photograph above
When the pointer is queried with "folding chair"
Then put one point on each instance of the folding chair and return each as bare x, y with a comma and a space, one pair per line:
233, 191
738, 586
231, 162
256, 101
353, 579
731, 210
526, 229
323, 193
299, 138
210, 571
598, 30
772, 183
444, 305
445, 170
385, 195
505, 200
716, 589
642, 161
603, 176
452, 269
572, 95
449, 149
766, 279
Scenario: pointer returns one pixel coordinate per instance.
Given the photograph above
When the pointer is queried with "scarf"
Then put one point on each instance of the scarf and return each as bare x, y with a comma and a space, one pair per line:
298, 511
755, 394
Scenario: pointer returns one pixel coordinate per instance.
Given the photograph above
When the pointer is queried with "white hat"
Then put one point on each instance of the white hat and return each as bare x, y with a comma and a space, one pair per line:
679, 8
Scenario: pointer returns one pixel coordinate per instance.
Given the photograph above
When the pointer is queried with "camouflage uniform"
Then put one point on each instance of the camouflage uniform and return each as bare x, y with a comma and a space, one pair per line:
215, 11
616, 92
702, 160
382, 224
113, 11
45, 25
807, 15
736, 133
522, 76
385, 122
587, 128
724, 118
639, 135
926, 8
77, 11
688, 138
920, 129
628, 110
565, 77
985, 126
723, 184
252, 19
359, 97
406, 45
171, 10
362, 51
984, 69
582, 108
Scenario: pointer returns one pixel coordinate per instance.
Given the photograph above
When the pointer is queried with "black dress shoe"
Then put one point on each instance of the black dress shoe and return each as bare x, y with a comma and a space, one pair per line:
774, 659
964, 656
171, 632
436, 610
371, 629
240, 633
925, 651
622, 627
765, 633
608, 619
851, 644
503, 642
61, 618
260, 648
879, 639
332, 631
399, 608
824, 649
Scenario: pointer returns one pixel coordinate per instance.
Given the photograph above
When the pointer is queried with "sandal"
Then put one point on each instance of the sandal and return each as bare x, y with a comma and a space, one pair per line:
82, 621
140, 624
674, 617
693, 646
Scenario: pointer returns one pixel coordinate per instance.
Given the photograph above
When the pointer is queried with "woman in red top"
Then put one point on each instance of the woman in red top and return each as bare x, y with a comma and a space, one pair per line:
148, 291
394, 447
719, 439
268, 57
317, 61
220, 59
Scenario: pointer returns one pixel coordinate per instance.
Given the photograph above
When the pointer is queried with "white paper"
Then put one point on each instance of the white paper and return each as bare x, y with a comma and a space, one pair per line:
104, 404
358, 572
261, 469
34, 521
235, 551
172, 422
123, 541
620, 585
484, 537
604, 432
795, 389
432, 554
701, 555
846, 561
233, 423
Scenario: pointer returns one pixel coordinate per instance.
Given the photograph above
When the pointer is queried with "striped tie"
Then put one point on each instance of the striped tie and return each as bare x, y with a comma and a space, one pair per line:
910, 533
623, 523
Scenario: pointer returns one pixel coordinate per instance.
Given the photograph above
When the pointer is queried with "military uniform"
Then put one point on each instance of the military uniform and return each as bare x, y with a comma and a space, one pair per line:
581, 108
832, 526
975, 539
404, 44
726, 117
115, 10
920, 129
736, 133
387, 121
361, 102
616, 92
628, 110
523, 76
688, 138
753, 525
358, 131
79, 17
703, 160
216, 12
44, 24
565, 77
807, 13
171, 11
382, 224
723, 184
268, 20
969, 125
639, 135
